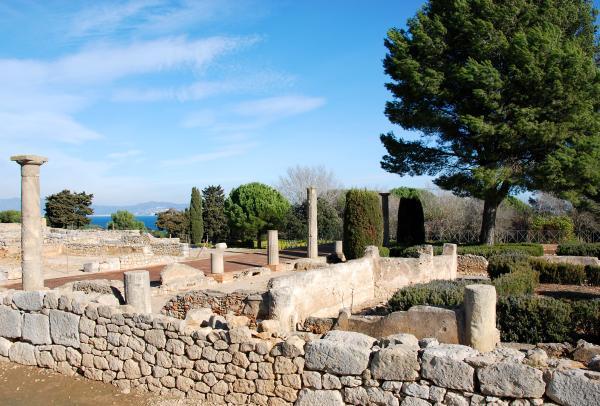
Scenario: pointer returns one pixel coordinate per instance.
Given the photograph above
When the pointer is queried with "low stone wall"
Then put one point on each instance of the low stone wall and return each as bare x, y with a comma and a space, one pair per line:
323, 292
163, 355
472, 265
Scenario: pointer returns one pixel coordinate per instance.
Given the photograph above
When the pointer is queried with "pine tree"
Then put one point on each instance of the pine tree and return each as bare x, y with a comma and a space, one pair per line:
196, 223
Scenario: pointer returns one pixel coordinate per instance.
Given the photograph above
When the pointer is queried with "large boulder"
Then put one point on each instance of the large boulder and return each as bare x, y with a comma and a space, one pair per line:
574, 388
508, 379
396, 363
444, 365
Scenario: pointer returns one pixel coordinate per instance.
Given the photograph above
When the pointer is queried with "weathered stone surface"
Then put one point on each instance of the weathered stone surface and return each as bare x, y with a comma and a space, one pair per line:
351, 338
22, 353
36, 328
574, 388
444, 366
309, 397
30, 301
64, 328
402, 338
239, 335
156, 338
336, 357
412, 401
585, 351
180, 276
10, 322
4, 346
507, 379
397, 363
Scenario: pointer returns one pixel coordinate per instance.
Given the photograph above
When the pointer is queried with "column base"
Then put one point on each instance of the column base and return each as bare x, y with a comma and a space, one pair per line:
278, 267
222, 277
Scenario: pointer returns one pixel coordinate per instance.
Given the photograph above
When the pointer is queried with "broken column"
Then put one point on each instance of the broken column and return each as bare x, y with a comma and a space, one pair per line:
313, 248
480, 317
339, 248
31, 224
216, 262
273, 249
385, 208
137, 290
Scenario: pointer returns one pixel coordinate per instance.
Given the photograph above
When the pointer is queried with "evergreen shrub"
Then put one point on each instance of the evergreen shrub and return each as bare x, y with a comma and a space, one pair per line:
565, 274
411, 222
579, 249
363, 222
592, 274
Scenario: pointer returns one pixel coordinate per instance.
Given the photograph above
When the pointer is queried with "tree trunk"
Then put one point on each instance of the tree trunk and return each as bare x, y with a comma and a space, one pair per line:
488, 223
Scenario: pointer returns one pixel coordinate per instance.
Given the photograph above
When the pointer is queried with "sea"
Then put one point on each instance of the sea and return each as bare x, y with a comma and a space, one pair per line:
102, 221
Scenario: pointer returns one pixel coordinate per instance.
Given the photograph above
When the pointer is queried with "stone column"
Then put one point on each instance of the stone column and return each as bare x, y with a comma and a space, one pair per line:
385, 208
273, 248
216, 262
31, 224
137, 290
313, 248
480, 317
339, 248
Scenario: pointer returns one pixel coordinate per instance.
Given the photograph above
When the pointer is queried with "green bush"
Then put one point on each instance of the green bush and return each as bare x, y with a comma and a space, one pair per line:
384, 252
592, 274
410, 252
534, 319
447, 294
579, 249
586, 319
10, 216
550, 225
520, 282
487, 251
363, 222
566, 274
411, 222
506, 263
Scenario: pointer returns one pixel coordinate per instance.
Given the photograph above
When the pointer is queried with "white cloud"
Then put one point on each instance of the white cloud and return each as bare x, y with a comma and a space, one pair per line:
43, 125
125, 154
280, 106
227, 151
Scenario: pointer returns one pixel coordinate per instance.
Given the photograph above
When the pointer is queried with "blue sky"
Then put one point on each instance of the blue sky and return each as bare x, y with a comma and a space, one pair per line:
141, 100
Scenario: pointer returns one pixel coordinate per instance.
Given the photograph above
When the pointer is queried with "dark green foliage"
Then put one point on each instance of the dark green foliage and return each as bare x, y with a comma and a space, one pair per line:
254, 208
488, 251
592, 274
196, 223
329, 223
176, 223
363, 222
10, 216
566, 274
412, 251
585, 318
411, 222
448, 294
507, 263
579, 249
384, 252
407, 192
505, 94
124, 220
68, 209
533, 319
213, 214
517, 283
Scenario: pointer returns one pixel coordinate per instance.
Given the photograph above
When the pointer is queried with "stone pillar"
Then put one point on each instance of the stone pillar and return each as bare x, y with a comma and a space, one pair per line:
273, 248
480, 317
31, 224
313, 233
339, 248
216, 262
385, 208
137, 290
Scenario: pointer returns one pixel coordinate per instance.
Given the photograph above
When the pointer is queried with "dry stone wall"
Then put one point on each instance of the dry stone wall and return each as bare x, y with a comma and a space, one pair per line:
164, 355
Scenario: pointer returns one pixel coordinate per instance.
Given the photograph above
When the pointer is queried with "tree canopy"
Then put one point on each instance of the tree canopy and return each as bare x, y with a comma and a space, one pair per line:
196, 224
124, 220
10, 216
254, 208
213, 214
505, 95
68, 209
175, 222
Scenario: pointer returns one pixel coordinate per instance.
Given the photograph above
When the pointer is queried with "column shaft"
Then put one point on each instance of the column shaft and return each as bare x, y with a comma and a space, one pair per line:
385, 208
216, 262
273, 247
313, 248
137, 290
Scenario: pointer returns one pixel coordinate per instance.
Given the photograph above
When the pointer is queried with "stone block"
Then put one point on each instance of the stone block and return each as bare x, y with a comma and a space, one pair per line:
444, 366
64, 328
180, 276
199, 317
91, 267
309, 397
10, 322
36, 328
336, 357
585, 351
397, 363
22, 353
5, 346
508, 379
31, 301
351, 338
574, 388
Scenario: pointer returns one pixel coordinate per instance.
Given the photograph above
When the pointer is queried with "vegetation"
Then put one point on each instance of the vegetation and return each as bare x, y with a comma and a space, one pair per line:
298, 178
213, 214
579, 249
565, 274
411, 222
486, 251
363, 222
196, 224
329, 223
176, 223
562, 226
10, 216
68, 209
506, 95
254, 208
124, 220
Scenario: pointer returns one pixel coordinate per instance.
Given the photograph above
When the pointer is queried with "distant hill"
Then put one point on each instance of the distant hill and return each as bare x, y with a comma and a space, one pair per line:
140, 209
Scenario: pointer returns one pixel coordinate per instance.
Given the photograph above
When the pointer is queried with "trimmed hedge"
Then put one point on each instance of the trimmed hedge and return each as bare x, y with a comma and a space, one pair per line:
411, 221
363, 222
592, 274
448, 294
579, 249
517, 283
565, 274
506, 263
486, 251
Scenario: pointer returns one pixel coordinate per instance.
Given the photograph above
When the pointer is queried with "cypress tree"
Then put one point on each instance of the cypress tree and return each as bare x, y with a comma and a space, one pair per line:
411, 222
196, 223
363, 222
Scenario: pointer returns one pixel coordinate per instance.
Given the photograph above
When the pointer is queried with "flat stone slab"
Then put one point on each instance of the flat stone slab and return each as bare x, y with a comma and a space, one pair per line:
64, 328
507, 379
397, 363
574, 388
30, 301
336, 357
10, 322
36, 328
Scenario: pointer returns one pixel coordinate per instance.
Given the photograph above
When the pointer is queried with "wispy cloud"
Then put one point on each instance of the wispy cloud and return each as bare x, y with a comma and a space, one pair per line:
125, 154
280, 106
227, 151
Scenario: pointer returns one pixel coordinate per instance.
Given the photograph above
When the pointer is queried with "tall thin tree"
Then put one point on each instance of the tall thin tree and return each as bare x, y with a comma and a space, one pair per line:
196, 223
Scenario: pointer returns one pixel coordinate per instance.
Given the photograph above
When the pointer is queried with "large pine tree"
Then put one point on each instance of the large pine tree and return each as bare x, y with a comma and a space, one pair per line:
196, 224
505, 94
